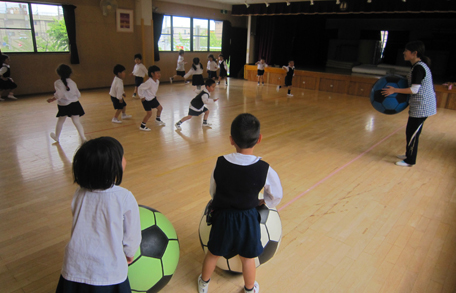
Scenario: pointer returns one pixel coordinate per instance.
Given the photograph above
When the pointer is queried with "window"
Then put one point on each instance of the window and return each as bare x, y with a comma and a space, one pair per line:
384, 39
190, 34
42, 30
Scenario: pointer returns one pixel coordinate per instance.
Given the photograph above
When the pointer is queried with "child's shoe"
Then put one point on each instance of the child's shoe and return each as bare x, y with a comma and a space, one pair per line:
403, 164
145, 128
278, 88
159, 122
10, 96
256, 288
258, 84
290, 95
171, 80
402, 157
115, 120
207, 124
178, 127
54, 137
202, 286
125, 116
263, 83
134, 95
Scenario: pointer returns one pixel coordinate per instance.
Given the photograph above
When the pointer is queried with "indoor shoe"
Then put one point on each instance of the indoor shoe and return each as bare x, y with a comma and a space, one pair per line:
144, 128
202, 286
290, 95
126, 116
159, 122
402, 157
115, 120
207, 124
12, 97
178, 127
171, 80
256, 288
403, 164
52, 135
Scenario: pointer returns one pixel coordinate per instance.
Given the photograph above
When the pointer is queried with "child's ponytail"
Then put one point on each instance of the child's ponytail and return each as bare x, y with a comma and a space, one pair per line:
64, 71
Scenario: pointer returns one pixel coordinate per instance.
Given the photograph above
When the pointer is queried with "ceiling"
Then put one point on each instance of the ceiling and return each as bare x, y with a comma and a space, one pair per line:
226, 4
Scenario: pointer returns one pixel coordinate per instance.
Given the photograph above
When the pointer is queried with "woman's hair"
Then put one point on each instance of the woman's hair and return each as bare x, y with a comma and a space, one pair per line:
245, 130
418, 46
64, 71
196, 61
98, 164
181, 52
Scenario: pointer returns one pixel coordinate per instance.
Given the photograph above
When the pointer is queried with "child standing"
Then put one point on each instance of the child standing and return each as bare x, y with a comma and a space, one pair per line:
261, 66
147, 92
139, 71
197, 105
117, 94
180, 69
289, 77
235, 184
6, 82
211, 67
106, 230
223, 69
67, 96
197, 72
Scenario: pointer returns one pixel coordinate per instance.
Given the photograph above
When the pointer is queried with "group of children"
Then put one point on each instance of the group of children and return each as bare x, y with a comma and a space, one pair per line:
261, 65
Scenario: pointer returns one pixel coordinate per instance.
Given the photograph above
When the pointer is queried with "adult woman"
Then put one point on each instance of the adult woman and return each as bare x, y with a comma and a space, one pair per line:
422, 99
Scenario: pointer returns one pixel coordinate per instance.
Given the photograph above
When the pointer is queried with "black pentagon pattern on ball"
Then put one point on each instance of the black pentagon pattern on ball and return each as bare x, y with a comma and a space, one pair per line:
378, 97
268, 251
264, 212
155, 245
401, 98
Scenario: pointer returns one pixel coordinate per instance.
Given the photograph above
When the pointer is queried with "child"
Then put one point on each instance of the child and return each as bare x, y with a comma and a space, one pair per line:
260, 73
67, 96
147, 92
197, 105
289, 77
106, 231
180, 69
197, 71
223, 69
6, 82
117, 94
235, 184
139, 71
211, 67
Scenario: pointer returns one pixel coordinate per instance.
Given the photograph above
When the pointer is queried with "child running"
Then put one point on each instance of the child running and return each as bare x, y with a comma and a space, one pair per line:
67, 96
106, 230
117, 94
180, 69
147, 92
197, 105
289, 77
211, 67
197, 73
235, 184
223, 69
139, 71
260, 73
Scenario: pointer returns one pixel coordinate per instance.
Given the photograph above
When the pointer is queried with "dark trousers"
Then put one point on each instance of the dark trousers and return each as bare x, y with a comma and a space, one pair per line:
412, 132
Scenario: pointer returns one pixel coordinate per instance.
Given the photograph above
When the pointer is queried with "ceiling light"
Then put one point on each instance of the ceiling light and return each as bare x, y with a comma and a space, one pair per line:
369, 1
288, 3
311, 2
267, 4
247, 5
337, 2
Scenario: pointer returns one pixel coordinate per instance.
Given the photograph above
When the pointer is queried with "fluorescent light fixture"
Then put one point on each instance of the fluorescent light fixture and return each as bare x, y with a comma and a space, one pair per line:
337, 2
267, 4
288, 3
247, 5
311, 2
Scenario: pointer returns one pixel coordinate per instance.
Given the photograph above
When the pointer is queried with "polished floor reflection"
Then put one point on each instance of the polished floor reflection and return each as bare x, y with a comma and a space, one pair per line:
352, 220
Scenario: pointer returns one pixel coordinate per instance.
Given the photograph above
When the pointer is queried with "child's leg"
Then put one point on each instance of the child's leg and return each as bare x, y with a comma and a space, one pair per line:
58, 128
248, 271
78, 125
159, 110
206, 115
136, 90
147, 117
117, 113
188, 117
209, 264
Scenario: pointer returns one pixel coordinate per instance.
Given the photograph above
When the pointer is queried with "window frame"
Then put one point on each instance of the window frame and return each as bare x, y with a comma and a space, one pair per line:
171, 34
32, 29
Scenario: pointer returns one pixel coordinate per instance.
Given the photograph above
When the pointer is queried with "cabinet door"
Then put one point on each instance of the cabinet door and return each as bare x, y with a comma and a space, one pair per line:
276, 78
251, 75
308, 82
363, 89
326, 85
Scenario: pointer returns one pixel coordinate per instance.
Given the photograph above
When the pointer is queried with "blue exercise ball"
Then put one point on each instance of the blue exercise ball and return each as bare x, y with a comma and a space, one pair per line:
391, 104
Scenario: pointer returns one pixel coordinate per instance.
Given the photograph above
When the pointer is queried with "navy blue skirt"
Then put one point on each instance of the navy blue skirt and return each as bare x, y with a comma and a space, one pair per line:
235, 232
66, 286
73, 109
197, 79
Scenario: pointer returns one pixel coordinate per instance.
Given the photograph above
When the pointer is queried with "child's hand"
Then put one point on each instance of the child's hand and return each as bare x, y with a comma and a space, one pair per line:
123, 95
260, 202
131, 74
51, 99
142, 99
121, 100
215, 100
130, 259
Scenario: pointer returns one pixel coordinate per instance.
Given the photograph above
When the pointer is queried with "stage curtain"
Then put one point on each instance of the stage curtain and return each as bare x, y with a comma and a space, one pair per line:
70, 23
158, 24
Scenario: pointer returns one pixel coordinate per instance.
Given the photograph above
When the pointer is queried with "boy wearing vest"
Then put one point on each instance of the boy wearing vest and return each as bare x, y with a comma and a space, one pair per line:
235, 184
197, 105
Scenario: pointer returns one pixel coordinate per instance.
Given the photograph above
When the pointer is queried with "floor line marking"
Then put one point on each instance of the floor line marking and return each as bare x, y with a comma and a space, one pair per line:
338, 170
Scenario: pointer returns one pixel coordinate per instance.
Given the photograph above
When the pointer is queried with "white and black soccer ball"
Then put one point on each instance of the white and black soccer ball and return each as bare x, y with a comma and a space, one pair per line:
271, 235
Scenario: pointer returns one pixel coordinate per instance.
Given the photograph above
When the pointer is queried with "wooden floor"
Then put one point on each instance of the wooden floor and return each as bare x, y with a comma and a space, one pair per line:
352, 220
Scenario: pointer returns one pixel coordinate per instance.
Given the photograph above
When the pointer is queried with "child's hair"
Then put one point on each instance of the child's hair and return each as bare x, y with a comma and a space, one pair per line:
209, 82
221, 55
291, 60
4, 57
153, 69
245, 130
139, 56
210, 56
263, 58
118, 69
196, 61
64, 71
181, 52
418, 46
98, 164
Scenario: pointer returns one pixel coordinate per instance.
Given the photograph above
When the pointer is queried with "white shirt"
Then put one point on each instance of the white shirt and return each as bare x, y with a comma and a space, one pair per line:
117, 88
140, 70
206, 99
4, 68
212, 65
64, 97
192, 71
273, 192
261, 66
106, 229
148, 89
180, 63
